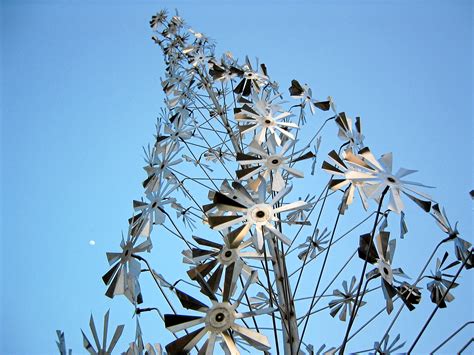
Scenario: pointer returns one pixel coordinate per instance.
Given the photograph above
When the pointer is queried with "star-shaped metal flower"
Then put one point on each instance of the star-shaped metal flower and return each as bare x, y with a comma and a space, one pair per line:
216, 321
253, 211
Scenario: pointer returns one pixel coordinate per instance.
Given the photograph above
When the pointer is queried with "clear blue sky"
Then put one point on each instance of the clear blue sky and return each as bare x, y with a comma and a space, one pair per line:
80, 93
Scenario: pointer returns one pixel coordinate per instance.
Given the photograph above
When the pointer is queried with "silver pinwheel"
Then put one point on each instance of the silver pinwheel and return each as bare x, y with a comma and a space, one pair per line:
122, 277
382, 257
345, 299
441, 282
306, 94
395, 182
101, 348
213, 260
350, 132
215, 322
261, 121
271, 162
313, 244
462, 247
387, 347
253, 211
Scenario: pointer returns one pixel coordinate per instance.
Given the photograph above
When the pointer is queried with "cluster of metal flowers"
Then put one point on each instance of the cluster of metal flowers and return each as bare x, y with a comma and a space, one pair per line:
228, 118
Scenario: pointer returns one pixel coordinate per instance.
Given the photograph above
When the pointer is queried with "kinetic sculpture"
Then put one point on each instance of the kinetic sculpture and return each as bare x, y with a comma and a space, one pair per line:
226, 135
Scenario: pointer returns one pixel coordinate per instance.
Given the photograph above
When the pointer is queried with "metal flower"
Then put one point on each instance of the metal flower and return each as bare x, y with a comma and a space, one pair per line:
300, 216
262, 121
384, 178
221, 71
216, 321
382, 257
461, 247
345, 300
251, 80
313, 244
218, 259
122, 277
102, 349
305, 93
159, 164
259, 301
254, 212
409, 294
352, 172
154, 209
349, 132
158, 19
441, 281
270, 162
385, 348
185, 214
199, 58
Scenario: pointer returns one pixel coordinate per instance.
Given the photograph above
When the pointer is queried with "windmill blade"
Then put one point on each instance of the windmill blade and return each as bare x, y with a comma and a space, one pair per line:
387, 161
254, 313
109, 274
199, 255
184, 344
295, 89
87, 344
112, 258
293, 171
425, 205
367, 155
236, 236
342, 315
246, 173
281, 194
229, 342
322, 105
278, 183
190, 302
257, 340
202, 269
335, 157
307, 155
115, 338
178, 322
364, 251
222, 222
244, 159
106, 327
382, 244
94, 333
291, 206
253, 278
331, 169
279, 235
215, 279
205, 289
336, 184
207, 243
242, 191
231, 205
232, 273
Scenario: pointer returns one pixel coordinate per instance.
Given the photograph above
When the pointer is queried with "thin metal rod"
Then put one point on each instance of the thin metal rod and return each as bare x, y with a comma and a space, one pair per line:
362, 274
451, 336
437, 305
319, 279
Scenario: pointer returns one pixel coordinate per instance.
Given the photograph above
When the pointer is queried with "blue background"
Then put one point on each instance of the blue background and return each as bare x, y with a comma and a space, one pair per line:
80, 93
